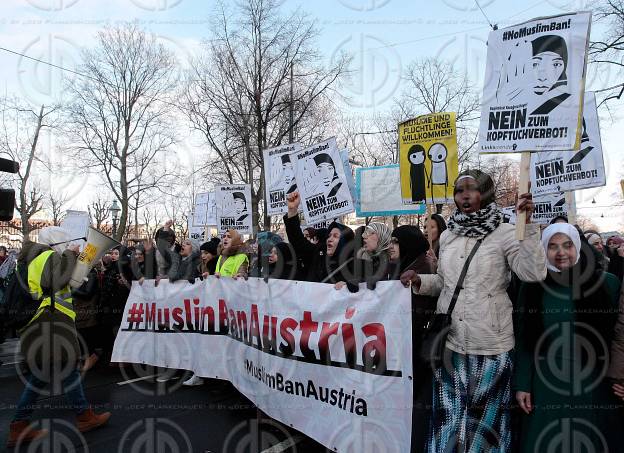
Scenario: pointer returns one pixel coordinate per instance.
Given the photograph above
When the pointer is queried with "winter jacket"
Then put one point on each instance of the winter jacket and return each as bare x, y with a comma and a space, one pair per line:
54, 324
482, 318
184, 268
316, 262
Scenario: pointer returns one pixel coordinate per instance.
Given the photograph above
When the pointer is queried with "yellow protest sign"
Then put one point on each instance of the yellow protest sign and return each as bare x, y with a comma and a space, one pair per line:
428, 158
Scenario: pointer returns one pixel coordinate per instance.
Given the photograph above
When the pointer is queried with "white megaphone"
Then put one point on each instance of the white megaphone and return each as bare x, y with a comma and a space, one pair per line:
97, 245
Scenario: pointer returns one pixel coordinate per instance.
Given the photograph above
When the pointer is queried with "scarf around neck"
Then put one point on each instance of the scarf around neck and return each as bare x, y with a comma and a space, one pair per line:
476, 224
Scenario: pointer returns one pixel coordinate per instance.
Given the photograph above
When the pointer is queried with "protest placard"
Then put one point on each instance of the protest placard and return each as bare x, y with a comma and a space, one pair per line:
428, 158
234, 208
546, 208
279, 177
563, 171
535, 82
379, 193
205, 210
321, 182
76, 223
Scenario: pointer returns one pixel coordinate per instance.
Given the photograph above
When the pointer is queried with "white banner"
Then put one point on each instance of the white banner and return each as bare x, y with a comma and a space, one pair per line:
334, 365
535, 81
234, 208
565, 171
322, 183
279, 177
205, 210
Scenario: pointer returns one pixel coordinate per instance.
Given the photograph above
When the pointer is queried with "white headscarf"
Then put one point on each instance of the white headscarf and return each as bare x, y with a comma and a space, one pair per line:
569, 231
54, 235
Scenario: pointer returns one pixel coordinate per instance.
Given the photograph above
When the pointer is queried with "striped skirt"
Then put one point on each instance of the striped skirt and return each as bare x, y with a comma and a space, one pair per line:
471, 398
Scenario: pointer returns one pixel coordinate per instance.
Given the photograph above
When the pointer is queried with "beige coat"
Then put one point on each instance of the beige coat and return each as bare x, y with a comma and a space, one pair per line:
482, 319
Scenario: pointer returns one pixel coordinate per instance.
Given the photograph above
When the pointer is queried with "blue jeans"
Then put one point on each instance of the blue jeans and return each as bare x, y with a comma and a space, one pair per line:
73, 392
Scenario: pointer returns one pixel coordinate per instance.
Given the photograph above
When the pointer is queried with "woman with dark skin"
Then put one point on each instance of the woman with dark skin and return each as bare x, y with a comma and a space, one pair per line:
472, 391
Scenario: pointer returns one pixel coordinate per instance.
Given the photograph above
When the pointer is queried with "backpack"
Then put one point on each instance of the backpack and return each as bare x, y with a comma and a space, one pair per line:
19, 306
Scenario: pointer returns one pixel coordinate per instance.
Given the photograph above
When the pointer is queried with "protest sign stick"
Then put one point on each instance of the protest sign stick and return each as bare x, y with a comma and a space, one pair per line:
523, 187
571, 202
622, 184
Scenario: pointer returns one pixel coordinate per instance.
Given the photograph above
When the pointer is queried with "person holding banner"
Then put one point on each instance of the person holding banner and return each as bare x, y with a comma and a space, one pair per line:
233, 262
184, 265
209, 255
329, 262
472, 391
564, 330
372, 260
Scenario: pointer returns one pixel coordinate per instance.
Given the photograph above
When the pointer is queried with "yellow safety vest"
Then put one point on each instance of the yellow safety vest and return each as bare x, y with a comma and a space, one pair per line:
231, 264
62, 298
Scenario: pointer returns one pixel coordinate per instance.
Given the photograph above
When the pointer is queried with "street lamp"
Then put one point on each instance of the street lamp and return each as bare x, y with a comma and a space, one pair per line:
114, 210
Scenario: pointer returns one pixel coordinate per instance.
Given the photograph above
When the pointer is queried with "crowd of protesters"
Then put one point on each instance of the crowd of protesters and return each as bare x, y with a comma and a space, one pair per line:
550, 297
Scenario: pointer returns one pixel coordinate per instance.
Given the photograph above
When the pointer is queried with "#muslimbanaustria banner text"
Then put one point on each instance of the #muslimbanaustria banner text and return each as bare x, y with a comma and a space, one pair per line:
338, 370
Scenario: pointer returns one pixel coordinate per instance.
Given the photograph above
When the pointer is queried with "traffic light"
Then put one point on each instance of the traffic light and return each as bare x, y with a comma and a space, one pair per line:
7, 196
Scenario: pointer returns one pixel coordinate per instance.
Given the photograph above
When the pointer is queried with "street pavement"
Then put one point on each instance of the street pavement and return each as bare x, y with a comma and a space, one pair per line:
149, 416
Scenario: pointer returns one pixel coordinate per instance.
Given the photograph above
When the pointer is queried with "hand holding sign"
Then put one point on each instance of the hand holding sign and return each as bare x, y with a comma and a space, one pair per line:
514, 73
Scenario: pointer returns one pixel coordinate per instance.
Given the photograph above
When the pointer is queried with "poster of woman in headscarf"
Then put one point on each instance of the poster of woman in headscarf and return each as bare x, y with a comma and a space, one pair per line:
321, 182
565, 171
279, 177
535, 82
234, 208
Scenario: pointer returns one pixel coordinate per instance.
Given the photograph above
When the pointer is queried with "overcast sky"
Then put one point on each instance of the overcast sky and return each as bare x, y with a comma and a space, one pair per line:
384, 36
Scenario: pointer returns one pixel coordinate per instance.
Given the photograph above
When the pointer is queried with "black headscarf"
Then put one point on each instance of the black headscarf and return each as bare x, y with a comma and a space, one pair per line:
412, 244
555, 44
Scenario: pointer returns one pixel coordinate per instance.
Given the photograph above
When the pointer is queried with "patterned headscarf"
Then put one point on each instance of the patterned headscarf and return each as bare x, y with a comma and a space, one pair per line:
384, 238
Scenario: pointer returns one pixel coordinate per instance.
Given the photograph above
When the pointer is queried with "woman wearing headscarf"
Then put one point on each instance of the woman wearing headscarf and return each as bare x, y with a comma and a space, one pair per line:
233, 261
408, 251
184, 265
472, 390
595, 241
330, 261
282, 264
564, 329
372, 260
209, 255
615, 248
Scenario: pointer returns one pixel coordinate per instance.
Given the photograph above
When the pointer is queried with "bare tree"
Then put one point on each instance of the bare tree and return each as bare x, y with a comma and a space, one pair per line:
120, 119
20, 136
505, 173
56, 202
606, 53
238, 95
435, 86
99, 211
